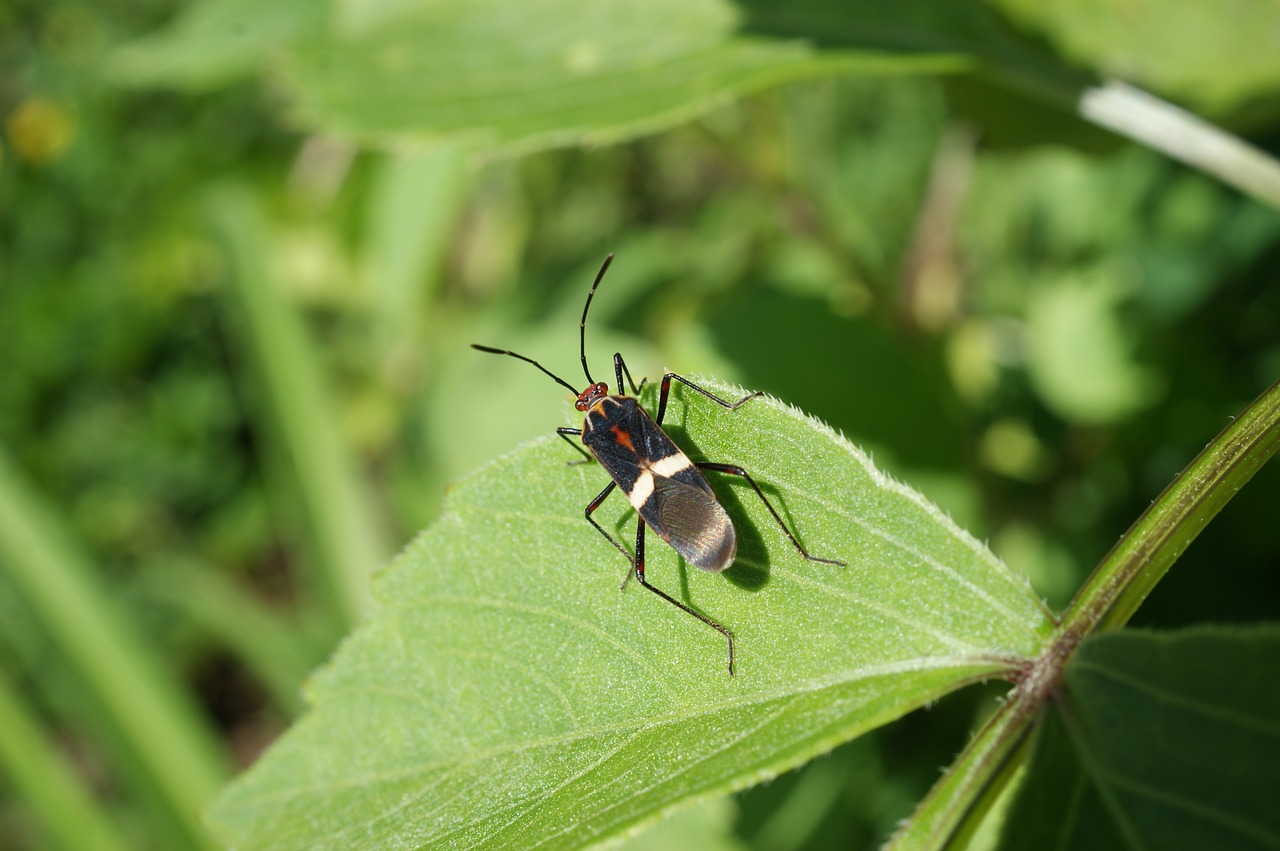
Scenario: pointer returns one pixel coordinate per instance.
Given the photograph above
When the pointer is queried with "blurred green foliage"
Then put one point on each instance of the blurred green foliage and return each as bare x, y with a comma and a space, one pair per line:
1033, 323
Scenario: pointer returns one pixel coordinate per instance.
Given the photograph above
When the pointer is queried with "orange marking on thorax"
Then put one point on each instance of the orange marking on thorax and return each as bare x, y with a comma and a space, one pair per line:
623, 437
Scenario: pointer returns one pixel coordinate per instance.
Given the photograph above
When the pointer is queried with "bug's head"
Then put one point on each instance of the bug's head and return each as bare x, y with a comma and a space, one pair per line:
591, 395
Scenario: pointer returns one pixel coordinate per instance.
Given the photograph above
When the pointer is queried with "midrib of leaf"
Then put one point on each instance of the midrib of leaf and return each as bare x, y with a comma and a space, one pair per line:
766, 710
817, 689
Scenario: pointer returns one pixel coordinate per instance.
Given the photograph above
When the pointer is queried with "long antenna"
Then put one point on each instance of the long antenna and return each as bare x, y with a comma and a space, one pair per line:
582, 328
558, 379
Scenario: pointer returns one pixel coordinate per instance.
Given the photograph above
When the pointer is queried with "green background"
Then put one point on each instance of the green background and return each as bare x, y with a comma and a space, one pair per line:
243, 248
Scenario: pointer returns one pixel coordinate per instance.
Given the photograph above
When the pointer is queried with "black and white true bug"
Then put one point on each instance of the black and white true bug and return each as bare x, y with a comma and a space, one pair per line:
664, 486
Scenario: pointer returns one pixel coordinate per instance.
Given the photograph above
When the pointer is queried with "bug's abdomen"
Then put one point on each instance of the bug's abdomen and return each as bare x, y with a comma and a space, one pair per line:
697, 527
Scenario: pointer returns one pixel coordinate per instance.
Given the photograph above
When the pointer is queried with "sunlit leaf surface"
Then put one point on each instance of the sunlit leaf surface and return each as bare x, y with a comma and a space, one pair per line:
506, 693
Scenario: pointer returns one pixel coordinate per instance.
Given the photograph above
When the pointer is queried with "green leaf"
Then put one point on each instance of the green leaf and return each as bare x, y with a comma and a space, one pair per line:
507, 691
1078, 351
988, 764
417, 198
343, 536
526, 76
215, 42
37, 775
1187, 48
708, 827
975, 31
166, 754
1172, 741
978, 33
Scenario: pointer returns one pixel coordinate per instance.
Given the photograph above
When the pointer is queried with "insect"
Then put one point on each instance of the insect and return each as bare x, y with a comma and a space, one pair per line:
665, 487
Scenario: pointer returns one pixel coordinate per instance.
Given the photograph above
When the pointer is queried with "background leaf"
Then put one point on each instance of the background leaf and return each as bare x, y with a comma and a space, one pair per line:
1055, 806
215, 42
492, 698
36, 772
1160, 740
708, 827
1077, 350
173, 760
593, 74
338, 511
1197, 51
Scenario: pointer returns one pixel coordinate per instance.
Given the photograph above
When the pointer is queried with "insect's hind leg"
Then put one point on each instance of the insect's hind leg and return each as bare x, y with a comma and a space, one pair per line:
666, 391
735, 470
637, 564
639, 570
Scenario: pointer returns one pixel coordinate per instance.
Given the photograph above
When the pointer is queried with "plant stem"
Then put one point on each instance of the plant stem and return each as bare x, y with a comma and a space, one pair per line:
39, 775
1143, 555
344, 542
1164, 127
1106, 601
160, 737
972, 782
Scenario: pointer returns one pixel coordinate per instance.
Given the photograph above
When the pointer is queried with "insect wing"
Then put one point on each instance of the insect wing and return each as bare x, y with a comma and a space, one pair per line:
693, 523
661, 483
682, 508
608, 434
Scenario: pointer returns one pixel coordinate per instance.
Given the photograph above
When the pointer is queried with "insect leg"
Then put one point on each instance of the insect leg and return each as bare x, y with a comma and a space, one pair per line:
639, 564
590, 509
666, 389
620, 367
735, 470
564, 432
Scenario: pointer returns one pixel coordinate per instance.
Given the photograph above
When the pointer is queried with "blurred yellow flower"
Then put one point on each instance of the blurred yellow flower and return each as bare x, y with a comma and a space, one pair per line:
40, 131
